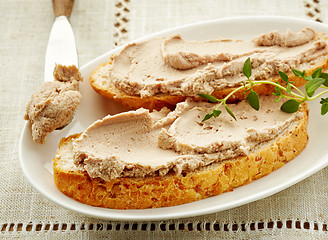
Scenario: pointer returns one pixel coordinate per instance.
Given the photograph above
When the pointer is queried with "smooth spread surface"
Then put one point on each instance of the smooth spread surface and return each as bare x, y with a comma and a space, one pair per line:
54, 105
179, 67
139, 143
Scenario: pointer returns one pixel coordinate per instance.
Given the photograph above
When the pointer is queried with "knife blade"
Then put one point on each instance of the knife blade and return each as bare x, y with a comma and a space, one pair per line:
61, 48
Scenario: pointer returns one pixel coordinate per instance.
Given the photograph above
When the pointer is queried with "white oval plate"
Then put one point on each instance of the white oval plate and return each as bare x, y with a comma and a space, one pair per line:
36, 159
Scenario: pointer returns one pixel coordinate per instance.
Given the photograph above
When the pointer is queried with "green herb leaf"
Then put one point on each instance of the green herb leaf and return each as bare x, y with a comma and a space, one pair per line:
216, 113
324, 100
207, 116
317, 73
288, 88
313, 85
208, 97
283, 76
253, 100
229, 111
290, 106
324, 106
247, 68
324, 76
298, 73
308, 78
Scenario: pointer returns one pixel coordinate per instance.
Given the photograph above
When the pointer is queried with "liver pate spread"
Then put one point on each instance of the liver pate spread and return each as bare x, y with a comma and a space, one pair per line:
54, 105
139, 143
175, 66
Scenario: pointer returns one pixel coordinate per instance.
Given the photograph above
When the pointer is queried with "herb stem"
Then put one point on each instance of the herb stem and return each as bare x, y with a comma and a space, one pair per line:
219, 105
297, 89
284, 89
290, 97
318, 95
295, 95
236, 90
281, 87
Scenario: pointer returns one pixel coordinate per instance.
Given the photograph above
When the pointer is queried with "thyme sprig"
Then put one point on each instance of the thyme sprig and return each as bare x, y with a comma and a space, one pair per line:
286, 89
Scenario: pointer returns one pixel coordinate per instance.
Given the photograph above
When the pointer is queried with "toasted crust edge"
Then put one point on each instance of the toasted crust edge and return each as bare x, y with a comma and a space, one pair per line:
159, 101
171, 190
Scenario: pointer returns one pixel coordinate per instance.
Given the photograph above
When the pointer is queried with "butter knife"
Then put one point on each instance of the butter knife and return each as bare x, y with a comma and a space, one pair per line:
61, 47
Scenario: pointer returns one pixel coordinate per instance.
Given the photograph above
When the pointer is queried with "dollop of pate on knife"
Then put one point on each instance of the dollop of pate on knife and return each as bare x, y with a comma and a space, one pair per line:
54, 105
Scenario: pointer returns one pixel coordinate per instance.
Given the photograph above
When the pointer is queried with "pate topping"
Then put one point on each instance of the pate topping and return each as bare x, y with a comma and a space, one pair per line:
287, 39
179, 67
139, 143
182, 54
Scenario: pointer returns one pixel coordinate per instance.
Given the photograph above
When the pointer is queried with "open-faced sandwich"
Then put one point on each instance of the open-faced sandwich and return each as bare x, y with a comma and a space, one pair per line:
163, 71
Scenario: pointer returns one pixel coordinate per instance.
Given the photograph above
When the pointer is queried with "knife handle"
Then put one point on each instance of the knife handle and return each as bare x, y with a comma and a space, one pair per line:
62, 7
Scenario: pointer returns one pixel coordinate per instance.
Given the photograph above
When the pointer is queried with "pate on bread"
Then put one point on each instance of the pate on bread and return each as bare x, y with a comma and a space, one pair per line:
163, 71
140, 159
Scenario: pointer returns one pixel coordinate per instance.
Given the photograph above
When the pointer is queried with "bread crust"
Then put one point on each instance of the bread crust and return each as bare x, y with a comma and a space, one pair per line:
158, 101
171, 190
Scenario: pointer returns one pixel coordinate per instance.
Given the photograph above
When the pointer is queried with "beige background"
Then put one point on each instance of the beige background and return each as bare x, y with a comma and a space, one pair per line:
299, 212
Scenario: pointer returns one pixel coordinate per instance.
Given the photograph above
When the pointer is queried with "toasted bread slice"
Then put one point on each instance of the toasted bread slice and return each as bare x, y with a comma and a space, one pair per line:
102, 84
174, 189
